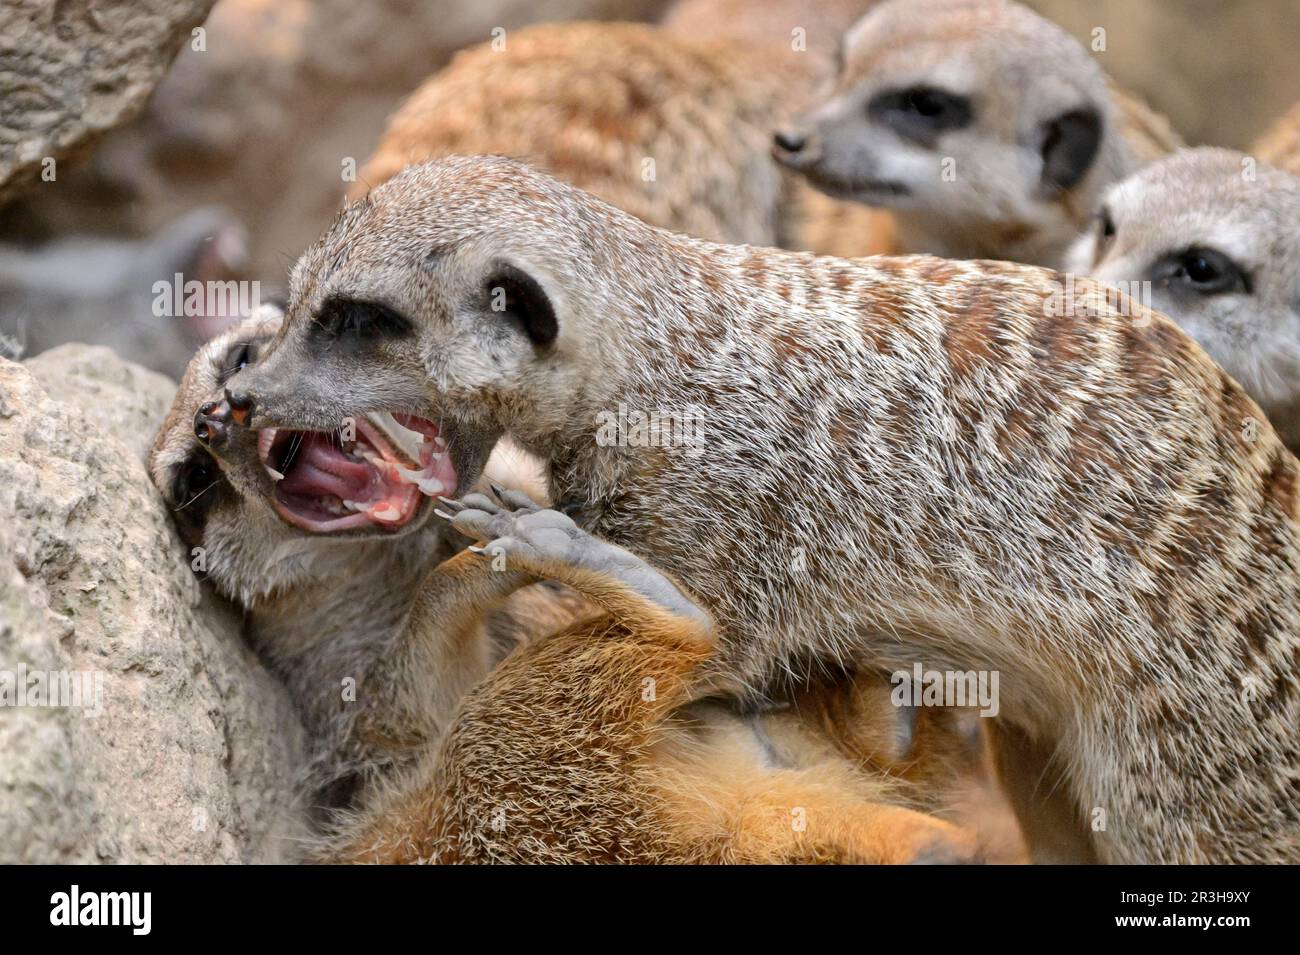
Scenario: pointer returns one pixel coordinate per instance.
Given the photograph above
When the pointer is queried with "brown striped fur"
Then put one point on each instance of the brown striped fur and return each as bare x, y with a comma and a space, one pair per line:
1058, 489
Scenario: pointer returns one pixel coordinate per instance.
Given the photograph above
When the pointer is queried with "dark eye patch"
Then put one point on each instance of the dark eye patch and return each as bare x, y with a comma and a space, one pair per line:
195, 487
1203, 271
921, 113
354, 321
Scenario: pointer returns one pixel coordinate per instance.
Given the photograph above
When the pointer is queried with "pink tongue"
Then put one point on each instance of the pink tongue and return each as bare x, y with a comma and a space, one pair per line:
321, 468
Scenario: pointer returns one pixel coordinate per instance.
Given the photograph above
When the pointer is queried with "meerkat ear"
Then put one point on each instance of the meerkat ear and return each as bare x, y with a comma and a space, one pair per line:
514, 294
1071, 142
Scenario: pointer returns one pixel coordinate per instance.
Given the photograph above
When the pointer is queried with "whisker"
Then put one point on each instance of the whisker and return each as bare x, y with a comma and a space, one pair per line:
181, 507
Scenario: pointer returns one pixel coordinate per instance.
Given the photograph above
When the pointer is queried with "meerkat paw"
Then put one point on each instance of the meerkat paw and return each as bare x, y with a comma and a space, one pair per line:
515, 526
549, 544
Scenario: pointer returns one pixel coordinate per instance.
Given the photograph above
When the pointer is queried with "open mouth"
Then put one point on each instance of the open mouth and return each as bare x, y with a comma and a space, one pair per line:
330, 481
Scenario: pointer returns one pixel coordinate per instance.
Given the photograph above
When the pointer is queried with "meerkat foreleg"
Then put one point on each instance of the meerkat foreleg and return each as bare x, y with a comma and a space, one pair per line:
547, 544
443, 650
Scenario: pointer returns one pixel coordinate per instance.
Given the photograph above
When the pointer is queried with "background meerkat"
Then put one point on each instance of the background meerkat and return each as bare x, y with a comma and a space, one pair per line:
969, 476
806, 32
672, 129
985, 129
413, 626
1280, 144
1213, 237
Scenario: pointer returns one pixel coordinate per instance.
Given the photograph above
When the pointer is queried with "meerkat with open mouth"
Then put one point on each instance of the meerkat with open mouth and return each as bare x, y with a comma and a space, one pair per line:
1214, 237
985, 129
907, 459
329, 541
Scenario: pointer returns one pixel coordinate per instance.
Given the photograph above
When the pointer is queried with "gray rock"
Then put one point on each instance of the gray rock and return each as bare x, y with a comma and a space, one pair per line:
72, 70
193, 753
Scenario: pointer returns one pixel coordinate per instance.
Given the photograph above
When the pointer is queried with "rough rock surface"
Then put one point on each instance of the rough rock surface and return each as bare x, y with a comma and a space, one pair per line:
74, 69
192, 756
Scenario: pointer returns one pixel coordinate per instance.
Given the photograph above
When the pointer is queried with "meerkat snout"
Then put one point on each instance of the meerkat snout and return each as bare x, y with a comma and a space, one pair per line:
985, 128
788, 143
1209, 237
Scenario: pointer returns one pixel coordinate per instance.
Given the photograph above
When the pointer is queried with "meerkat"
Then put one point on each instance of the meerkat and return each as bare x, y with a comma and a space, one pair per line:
1210, 236
670, 128
901, 460
985, 129
386, 632
1279, 146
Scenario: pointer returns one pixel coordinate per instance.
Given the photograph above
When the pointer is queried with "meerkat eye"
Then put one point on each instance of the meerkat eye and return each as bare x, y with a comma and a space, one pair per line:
1209, 272
194, 490
1105, 234
920, 112
239, 357
356, 320
197, 474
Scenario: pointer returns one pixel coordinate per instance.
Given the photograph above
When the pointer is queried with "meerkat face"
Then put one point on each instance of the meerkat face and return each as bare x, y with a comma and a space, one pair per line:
1212, 240
265, 508
972, 110
437, 300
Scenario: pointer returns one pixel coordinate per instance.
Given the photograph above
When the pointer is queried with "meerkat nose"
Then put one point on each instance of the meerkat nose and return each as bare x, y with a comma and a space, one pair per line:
210, 423
789, 141
241, 407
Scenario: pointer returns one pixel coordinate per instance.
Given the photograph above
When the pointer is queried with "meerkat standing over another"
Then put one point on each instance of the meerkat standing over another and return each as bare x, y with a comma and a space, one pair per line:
1215, 237
1280, 144
900, 461
987, 131
578, 747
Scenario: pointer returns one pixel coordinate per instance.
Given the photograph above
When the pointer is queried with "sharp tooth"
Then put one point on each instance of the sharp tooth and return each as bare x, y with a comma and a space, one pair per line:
408, 441
408, 475
430, 487
275, 475
381, 511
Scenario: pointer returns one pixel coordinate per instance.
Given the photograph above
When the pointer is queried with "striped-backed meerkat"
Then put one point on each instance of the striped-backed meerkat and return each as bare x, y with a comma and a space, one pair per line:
1214, 238
1279, 146
674, 130
901, 460
987, 130
381, 630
